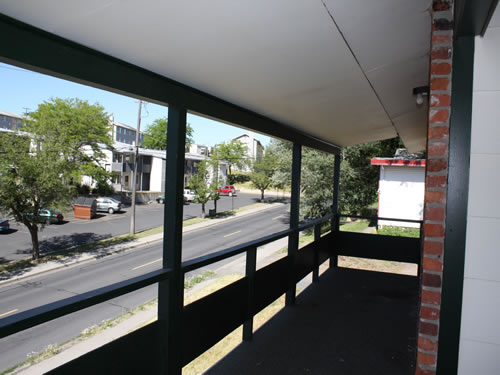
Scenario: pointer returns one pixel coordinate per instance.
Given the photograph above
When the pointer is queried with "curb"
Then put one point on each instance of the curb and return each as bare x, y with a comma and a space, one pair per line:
134, 244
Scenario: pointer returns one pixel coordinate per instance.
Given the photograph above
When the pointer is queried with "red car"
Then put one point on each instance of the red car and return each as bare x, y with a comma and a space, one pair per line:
227, 189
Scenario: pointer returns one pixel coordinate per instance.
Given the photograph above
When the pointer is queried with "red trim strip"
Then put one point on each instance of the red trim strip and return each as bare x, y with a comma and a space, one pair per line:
398, 162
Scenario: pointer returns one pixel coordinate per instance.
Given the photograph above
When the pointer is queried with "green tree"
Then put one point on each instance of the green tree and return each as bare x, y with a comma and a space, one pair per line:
200, 182
57, 144
358, 178
234, 152
263, 171
155, 137
215, 164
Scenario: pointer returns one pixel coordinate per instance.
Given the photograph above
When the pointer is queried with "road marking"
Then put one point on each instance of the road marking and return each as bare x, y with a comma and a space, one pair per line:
232, 234
147, 264
277, 217
8, 312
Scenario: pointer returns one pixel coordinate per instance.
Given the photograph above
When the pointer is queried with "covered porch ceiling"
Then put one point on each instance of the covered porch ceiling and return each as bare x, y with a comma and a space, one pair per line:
340, 71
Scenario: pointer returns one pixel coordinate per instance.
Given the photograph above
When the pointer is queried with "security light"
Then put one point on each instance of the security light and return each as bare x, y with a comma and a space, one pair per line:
419, 92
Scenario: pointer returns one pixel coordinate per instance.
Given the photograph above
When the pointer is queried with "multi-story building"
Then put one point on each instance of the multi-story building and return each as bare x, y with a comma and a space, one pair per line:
10, 121
255, 150
120, 161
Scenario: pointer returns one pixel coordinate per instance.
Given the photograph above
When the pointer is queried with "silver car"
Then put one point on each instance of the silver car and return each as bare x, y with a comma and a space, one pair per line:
108, 204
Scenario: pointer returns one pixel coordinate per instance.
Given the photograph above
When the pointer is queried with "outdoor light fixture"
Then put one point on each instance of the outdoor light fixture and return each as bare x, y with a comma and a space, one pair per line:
419, 92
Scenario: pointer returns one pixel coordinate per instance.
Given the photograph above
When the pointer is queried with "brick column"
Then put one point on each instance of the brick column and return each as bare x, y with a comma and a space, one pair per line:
436, 184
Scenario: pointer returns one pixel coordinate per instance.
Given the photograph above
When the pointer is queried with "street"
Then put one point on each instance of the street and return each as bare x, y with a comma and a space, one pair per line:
16, 243
77, 279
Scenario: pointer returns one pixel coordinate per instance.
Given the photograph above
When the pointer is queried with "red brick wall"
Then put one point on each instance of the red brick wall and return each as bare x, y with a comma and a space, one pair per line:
436, 184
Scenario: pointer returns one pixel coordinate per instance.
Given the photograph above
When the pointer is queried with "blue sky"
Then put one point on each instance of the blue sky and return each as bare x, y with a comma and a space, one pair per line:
22, 90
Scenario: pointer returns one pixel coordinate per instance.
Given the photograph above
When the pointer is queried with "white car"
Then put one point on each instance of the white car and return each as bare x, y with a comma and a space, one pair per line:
189, 195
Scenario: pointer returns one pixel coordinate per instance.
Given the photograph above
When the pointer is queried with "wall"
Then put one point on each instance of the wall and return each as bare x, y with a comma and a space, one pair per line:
480, 330
401, 194
157, 168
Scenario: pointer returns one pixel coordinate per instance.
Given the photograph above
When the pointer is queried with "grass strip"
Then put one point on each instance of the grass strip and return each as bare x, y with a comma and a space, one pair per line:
189, 283
400, 232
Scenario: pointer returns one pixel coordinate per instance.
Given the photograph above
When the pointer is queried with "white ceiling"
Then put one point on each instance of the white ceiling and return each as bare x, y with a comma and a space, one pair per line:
342, 71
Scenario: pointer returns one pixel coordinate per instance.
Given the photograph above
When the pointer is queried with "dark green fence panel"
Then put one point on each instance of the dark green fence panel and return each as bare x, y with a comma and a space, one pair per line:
374, 246
135, 353
211, 318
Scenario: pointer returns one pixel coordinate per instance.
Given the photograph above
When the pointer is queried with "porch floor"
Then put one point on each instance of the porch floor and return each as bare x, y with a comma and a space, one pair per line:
352, 322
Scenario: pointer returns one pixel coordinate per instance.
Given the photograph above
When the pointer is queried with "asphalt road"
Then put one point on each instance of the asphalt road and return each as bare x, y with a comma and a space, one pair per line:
16, 243
91, 275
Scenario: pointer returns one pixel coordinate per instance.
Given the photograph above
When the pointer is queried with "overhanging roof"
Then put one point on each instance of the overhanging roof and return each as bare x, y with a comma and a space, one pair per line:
339, 71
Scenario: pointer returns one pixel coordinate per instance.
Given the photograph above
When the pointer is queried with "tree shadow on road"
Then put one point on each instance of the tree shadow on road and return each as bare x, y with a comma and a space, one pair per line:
63, 250
58, 243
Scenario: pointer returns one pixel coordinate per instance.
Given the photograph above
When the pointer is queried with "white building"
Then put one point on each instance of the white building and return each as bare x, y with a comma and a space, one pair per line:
401, 190
255, 150
120, 161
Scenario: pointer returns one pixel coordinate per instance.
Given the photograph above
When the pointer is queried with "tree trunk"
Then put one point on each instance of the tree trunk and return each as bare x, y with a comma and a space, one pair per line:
262, 196
203, 210
33, 228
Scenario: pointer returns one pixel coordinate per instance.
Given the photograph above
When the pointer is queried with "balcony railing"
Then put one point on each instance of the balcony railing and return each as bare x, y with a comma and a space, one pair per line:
206, 321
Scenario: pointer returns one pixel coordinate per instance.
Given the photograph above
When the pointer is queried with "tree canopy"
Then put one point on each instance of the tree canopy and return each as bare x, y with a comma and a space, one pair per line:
200, 183
57, 144
358, 178
155, 137
234, 152
262, 171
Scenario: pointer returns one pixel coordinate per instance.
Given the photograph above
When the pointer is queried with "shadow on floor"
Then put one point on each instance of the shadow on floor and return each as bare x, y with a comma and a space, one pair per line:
352, 322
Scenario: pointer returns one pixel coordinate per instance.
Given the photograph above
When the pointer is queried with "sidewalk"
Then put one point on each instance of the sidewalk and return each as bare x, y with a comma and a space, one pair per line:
99, 253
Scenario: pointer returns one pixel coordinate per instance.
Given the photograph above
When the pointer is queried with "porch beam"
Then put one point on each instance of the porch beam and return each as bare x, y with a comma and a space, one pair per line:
34, 49
293, 239
171, 292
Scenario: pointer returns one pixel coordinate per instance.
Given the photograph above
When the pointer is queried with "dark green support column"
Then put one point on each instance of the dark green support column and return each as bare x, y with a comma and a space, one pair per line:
171, 292
335, 206
456, 207
250, 275
317, 236
293, 239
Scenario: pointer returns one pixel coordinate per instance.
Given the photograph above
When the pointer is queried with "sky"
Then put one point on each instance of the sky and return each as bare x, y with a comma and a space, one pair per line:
22, 90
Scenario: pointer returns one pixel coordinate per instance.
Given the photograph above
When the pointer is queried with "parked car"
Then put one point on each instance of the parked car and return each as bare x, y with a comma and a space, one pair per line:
4, 225
161, 199
227, 190
107, 204
189, 195
48, 216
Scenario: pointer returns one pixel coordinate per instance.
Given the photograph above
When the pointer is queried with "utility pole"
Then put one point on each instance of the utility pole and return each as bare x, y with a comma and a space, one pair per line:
134, 176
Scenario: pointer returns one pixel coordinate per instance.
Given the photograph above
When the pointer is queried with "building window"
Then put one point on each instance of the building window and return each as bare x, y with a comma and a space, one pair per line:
117, 158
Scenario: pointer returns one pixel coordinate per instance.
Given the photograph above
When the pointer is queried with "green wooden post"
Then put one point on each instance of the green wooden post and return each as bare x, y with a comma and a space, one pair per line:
335, 206
293, 239
171, 292
251, 266
317, 236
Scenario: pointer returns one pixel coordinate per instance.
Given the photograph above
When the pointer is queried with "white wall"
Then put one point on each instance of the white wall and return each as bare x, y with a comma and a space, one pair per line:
480, 332
401, 194
157, 168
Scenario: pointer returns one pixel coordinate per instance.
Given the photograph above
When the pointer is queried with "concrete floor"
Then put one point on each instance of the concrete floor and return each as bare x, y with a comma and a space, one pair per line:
352, 322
